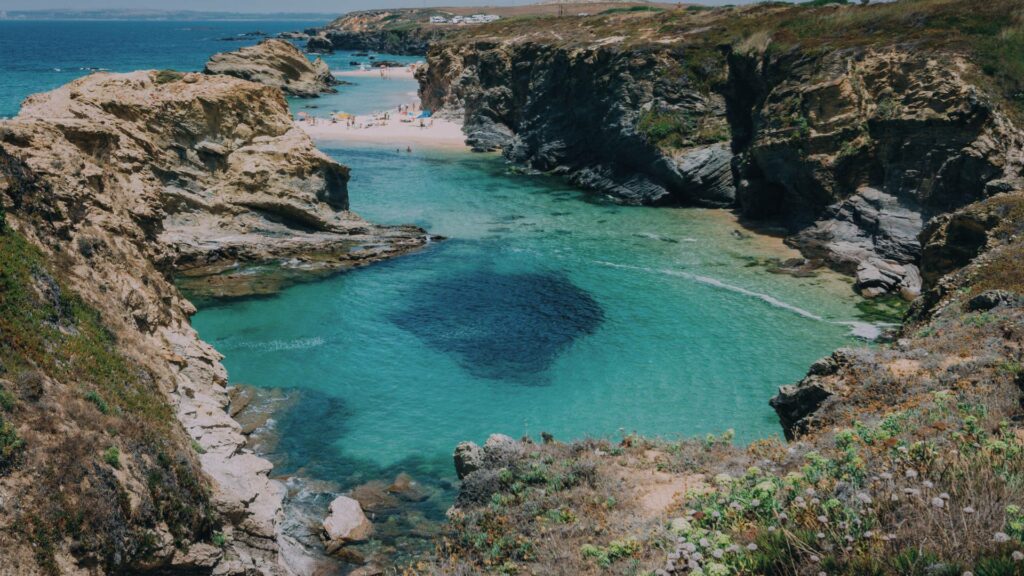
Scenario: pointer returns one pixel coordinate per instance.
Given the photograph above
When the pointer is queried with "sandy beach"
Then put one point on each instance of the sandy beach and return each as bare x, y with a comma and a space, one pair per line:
392, 127
439, 134
406, 72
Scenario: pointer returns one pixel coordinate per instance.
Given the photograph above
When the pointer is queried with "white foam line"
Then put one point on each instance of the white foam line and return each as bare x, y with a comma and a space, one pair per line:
864, 330
280, 345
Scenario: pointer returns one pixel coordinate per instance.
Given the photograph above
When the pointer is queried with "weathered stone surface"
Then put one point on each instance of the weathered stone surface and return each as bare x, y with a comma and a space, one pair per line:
796, 404
275, 63
991, 298
346, 523
469, 458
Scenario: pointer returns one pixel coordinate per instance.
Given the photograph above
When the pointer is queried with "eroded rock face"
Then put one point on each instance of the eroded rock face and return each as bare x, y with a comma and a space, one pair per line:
276, 63
592, 114
127, 179
852, 150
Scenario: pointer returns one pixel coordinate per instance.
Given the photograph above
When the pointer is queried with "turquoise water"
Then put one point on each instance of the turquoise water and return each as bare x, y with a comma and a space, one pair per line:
544, 310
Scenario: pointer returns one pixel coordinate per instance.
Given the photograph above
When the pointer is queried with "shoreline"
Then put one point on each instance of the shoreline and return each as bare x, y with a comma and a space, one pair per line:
444, 134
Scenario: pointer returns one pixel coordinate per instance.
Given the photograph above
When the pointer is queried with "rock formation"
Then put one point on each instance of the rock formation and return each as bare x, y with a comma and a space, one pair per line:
276, 63
852, 150
121, 181
405, 32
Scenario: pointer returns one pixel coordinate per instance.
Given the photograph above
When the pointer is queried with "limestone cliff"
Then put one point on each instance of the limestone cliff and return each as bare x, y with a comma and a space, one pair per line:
110, 186
843, 133
275, 63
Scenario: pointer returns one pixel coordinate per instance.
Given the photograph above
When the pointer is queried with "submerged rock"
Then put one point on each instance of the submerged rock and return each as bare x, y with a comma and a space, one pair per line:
275, 63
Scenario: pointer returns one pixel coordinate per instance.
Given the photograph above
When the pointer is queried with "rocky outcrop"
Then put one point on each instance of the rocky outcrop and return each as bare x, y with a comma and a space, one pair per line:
852, 150
971, 265
615, 122
128, 179
406, 32
275, 63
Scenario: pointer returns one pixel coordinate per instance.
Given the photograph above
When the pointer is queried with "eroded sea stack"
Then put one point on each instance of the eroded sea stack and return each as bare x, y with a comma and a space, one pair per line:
118, 454
276, 63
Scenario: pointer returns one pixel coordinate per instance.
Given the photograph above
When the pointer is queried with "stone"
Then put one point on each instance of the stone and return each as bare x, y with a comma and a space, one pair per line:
993, 298
469, 457
346, 523
275, 63
408, 489
501, 450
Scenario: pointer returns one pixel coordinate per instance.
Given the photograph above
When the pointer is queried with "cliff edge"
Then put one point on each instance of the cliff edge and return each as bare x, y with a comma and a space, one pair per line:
276, 63
118, 451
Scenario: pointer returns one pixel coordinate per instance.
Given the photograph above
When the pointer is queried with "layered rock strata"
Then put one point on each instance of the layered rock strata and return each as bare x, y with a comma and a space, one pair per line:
276, 63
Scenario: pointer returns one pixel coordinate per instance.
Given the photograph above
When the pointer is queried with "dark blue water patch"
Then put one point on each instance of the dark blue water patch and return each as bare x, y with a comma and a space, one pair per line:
501, 326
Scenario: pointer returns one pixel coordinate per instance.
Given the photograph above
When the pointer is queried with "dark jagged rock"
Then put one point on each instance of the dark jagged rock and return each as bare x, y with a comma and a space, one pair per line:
852, 150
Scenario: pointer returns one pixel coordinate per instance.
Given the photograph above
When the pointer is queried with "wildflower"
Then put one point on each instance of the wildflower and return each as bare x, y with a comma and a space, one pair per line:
911, 473
938, 502
911, 491
864, 497
704, 542
771, 528
783, 516
752, 547
723, 478
815, 501
697, 556
733, 548
690, 547
716, 514
885, 476
735, 505
849, 538
1000, 538
1017, 556
810, 491
820, 535
717, 553
823, 519
944, 495
755, 502
927, 484
869, 534
968, 509
815, 559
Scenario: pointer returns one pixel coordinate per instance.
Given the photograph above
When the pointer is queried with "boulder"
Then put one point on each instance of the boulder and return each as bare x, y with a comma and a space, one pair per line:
992, 298
469, 457
408, 489
346, 523
501, 450
275, 63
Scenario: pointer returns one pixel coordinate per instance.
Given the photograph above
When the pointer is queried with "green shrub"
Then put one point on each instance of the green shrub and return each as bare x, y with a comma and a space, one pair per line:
7, 400
97, 400
11, 445
167, 76
112, 456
